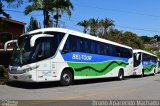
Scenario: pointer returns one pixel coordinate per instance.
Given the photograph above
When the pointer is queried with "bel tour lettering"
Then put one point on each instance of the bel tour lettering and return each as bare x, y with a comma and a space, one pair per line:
81, 57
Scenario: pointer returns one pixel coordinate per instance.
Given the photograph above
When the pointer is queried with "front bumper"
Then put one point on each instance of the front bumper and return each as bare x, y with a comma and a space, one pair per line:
21, 77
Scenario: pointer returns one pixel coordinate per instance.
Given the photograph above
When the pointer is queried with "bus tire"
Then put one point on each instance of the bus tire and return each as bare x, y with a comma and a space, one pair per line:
142, 75
154, 72
120, 75
66, 78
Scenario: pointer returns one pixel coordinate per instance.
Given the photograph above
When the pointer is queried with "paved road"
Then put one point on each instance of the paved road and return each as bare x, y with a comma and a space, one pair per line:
146, 88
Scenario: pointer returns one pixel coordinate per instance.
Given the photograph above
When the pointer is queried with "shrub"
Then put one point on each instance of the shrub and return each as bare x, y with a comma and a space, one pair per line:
2, 70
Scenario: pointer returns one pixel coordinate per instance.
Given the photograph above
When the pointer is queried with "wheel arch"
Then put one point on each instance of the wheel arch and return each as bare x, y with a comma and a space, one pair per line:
122, 70
69, 69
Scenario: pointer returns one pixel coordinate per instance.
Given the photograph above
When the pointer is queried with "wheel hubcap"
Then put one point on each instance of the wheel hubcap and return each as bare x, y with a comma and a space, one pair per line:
66, 78
120, 76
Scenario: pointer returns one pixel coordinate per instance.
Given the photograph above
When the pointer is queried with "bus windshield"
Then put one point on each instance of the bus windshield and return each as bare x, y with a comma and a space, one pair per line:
137, 59
44, 48
22, 51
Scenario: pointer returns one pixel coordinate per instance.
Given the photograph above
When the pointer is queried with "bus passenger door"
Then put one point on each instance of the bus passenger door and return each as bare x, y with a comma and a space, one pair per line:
44, 70
43, 55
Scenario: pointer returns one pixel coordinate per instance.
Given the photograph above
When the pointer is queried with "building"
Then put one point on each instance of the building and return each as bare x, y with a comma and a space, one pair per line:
12, 26
9, 30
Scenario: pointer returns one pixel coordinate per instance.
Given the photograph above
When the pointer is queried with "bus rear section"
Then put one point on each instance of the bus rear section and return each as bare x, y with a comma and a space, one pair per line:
145, 63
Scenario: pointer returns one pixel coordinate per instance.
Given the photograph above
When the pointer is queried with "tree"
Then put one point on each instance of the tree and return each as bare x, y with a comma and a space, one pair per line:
49, 6
105, 26
146, 39
11, 3
132, 40
114, 35
62, 6
2, 10
84, 24
33, 25
39, 5
94, 24
14, 3
96, 27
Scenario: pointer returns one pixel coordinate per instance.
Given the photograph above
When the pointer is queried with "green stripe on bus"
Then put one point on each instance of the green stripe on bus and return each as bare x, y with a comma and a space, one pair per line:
95, 69
148, 69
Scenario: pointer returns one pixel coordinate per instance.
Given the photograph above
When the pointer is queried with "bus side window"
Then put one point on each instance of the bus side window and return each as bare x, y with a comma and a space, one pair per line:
89, 46
81, 45
44, 48
95, 48
125, 53
108, 50
71, 44
130, 53
118, 53
77, 44
85, 45
98, 48
67, 46
92, 47
122, 52
113, 50
102, 49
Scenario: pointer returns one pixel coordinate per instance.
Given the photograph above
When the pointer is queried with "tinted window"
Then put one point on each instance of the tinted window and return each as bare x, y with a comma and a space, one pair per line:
87, 46
78, 44
93, 46
47, 47
118, 51
147, 57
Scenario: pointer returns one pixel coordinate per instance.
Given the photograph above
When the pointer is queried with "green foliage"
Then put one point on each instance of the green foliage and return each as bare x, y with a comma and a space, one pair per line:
97, 27
33, 25
14, 3
104, 28
11, 3
146, 39
60, 7
84, 24
158, 55
132, 40
49, 7
2, 70
2, 10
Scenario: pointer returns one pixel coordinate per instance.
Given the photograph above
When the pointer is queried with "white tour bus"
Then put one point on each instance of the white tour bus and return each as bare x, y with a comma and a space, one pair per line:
145, 63
56, 54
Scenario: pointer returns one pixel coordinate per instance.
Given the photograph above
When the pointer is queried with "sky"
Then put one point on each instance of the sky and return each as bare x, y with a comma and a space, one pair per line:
138, 16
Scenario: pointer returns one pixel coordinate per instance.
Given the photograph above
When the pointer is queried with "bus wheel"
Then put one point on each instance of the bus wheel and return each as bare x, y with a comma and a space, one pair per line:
142, 75
66, 78
120, 75
154, 72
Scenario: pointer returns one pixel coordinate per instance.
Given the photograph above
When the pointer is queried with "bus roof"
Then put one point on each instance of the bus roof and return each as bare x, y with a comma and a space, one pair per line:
138, 50
76, 33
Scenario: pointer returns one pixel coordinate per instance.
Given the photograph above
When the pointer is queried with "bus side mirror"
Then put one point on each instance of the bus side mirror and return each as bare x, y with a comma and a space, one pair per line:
138, 57
35, 37
8, 42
